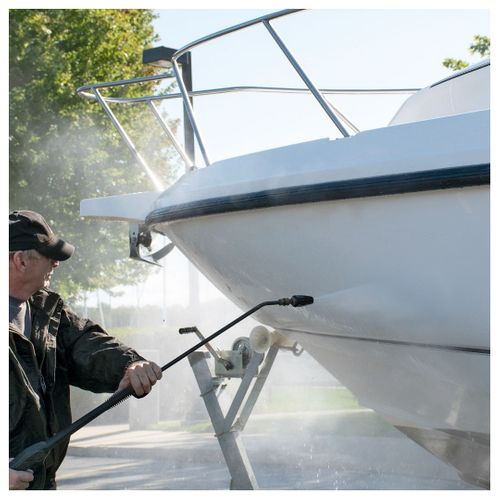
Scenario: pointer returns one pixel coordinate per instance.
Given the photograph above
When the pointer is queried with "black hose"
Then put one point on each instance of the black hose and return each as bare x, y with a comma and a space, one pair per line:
37, 452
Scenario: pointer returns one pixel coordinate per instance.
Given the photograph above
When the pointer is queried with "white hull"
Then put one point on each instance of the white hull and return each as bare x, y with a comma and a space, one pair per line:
388, 230
400, 281
404, 270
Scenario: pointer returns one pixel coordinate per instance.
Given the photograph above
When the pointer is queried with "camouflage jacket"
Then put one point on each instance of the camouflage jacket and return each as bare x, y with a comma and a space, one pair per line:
63, 350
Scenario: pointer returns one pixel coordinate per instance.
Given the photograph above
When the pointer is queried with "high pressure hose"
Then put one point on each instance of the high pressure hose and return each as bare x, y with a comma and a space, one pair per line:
38, 452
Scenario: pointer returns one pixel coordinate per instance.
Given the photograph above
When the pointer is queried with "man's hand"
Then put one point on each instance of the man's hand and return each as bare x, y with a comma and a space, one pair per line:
20, 480
141, 375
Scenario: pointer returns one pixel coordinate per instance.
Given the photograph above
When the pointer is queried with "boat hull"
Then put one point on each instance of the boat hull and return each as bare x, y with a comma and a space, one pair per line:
401, 288
388, 230
406, 268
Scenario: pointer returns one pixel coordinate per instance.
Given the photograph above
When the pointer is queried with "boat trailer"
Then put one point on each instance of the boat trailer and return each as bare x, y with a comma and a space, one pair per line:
251, 359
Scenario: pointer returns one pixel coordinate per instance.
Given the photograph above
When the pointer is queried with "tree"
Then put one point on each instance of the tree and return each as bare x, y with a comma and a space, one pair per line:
480, 45
62, 148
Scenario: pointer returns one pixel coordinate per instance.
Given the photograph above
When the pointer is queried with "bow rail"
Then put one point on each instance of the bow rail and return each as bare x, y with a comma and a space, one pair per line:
93, 92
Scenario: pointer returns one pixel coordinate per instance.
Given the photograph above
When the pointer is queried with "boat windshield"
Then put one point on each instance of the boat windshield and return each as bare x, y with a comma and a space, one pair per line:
463, 92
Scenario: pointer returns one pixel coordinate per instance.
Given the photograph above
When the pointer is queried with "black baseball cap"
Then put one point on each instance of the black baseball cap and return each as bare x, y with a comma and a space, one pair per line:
29, 231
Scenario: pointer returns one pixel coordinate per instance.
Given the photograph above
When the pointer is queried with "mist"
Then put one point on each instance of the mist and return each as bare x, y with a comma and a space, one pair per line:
148, 316
306, 431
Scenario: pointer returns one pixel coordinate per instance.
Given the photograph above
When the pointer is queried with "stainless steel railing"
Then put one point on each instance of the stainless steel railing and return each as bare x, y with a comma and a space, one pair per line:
93, 92
265, 20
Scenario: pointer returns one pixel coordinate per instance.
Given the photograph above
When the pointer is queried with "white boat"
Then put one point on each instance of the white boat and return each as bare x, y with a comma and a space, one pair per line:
387, 229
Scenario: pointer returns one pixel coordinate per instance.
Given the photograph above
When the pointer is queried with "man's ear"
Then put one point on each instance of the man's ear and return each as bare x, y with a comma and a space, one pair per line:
19, 261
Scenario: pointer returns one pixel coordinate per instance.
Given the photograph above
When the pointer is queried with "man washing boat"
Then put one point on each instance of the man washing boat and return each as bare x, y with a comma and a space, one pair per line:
51, 348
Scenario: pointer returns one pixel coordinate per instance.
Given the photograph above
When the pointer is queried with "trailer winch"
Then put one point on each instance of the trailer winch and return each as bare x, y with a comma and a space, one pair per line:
242, 361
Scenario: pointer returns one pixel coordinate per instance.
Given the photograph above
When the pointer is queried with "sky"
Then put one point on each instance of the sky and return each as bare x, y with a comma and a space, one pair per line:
338, 48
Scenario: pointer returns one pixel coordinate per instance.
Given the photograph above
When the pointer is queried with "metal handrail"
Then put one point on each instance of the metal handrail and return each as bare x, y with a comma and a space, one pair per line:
310, 85
266, 21
154, 179
93, 92
86, 91
188, 161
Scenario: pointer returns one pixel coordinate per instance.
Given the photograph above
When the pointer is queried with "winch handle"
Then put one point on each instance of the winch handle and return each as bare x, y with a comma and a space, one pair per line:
38, 452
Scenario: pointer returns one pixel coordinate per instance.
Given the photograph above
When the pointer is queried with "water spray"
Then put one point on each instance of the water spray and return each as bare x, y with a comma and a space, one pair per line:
38, 452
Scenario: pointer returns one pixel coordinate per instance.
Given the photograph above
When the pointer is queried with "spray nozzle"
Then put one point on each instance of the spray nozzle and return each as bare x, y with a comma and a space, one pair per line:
297, 301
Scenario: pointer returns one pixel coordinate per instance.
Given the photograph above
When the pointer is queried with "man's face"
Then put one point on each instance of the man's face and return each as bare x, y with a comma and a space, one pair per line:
40, 269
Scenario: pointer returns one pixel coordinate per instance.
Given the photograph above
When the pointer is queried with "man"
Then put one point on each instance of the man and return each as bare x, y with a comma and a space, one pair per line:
51, 348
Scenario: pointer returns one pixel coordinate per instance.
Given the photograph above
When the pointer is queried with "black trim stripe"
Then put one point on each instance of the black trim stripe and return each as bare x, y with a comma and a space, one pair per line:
426, 180
474, 350
465, 71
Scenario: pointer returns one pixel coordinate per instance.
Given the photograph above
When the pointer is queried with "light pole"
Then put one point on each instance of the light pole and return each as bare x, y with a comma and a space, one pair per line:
162, 57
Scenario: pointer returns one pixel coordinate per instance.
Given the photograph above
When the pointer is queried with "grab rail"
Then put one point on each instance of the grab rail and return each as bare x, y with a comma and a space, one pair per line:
264, 20
92, 91
86, 91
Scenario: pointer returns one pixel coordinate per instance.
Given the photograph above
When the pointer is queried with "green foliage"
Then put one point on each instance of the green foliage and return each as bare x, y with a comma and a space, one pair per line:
454, 64
62, 147
319, 423
480, 45
297, 398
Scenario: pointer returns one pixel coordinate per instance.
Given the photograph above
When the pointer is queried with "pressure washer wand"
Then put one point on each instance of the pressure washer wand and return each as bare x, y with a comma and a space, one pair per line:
38, 452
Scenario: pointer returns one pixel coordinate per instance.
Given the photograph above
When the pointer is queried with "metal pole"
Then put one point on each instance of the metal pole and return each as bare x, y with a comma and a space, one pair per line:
186, 158
187, 80
305, 78
232, 447
250, 372
189, 110
187, 77
257, 388
154, 179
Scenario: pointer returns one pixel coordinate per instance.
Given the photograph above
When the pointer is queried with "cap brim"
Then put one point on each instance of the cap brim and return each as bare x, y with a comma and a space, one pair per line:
59, 250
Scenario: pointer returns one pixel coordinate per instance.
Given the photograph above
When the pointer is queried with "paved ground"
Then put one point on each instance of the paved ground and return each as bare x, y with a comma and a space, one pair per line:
112, 457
